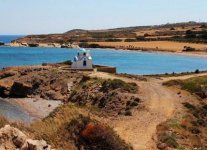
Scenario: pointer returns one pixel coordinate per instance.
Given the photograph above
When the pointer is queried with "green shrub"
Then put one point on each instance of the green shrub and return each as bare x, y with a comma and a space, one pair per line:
196, 85
203, 26
128, 113
118, 84
140, 38
168, 139
189, 106
190, 34
188, 49
113, 40
130, 40
146, 35
86, 45
197, 71
173, 83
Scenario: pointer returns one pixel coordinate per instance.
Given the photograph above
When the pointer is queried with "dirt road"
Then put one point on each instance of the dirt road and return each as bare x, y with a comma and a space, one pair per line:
160, 104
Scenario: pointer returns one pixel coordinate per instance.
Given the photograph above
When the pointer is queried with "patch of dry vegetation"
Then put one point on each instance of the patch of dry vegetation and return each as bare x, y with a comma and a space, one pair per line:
69, 127
186, 132
110, 96
3, 121
196, 85
189, 130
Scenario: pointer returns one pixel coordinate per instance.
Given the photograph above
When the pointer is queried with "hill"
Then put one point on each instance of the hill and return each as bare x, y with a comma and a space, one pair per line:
174, 31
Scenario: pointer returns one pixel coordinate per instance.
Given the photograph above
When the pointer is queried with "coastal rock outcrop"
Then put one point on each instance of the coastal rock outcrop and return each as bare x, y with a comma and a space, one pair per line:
1, 43
45, 82
20, 89
11, 138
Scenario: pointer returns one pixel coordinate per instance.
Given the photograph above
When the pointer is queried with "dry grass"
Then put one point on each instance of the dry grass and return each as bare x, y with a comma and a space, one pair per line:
3, 121
154, 31
153, 45
51, 128
64, 127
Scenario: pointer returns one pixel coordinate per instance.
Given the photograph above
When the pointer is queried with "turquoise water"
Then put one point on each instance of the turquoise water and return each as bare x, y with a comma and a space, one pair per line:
130, 62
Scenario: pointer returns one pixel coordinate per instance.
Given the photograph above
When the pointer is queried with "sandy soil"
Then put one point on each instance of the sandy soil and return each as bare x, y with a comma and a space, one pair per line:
154, 45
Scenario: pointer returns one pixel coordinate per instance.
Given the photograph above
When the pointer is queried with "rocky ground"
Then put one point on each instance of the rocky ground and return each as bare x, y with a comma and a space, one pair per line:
101, 109
56, 82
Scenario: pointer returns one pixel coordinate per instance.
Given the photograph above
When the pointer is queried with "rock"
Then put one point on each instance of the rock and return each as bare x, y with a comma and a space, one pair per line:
33, 45
1, 43
7, 74
37, 145
19, 141
2, 90
13, 139
52, 95
11, 136
5, 86
20, 89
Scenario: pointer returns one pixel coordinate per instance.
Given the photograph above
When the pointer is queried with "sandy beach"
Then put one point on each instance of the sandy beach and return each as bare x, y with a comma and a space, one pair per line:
158, 46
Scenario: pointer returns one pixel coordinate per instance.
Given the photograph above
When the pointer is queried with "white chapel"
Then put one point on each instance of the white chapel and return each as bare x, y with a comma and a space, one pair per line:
82, 60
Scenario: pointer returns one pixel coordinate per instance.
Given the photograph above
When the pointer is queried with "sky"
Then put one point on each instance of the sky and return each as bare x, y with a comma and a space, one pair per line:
22, 17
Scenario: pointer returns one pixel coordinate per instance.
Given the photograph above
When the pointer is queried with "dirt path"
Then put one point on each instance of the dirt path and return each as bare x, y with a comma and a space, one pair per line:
140, 129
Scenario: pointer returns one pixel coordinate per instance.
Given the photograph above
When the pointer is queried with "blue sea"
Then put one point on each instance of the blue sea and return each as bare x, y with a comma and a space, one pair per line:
9, 38
130, 62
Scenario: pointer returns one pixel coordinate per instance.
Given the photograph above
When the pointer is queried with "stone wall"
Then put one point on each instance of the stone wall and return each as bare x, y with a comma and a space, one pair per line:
107, 69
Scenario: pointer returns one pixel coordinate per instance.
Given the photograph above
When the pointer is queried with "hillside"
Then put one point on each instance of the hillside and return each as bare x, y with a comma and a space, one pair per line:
102, 110
140, 33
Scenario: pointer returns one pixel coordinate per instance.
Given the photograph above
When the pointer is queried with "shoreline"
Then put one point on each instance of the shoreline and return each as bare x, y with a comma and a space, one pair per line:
148, 50
32, 106
200, 54
193, 54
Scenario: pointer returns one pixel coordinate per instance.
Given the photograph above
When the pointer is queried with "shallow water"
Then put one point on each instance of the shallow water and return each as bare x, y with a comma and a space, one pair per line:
14, 113
130, 62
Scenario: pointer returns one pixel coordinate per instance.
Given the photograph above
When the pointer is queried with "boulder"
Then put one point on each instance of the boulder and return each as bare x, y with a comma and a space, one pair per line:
20, 89
15, 139
35, 145
5, 86
52, 95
